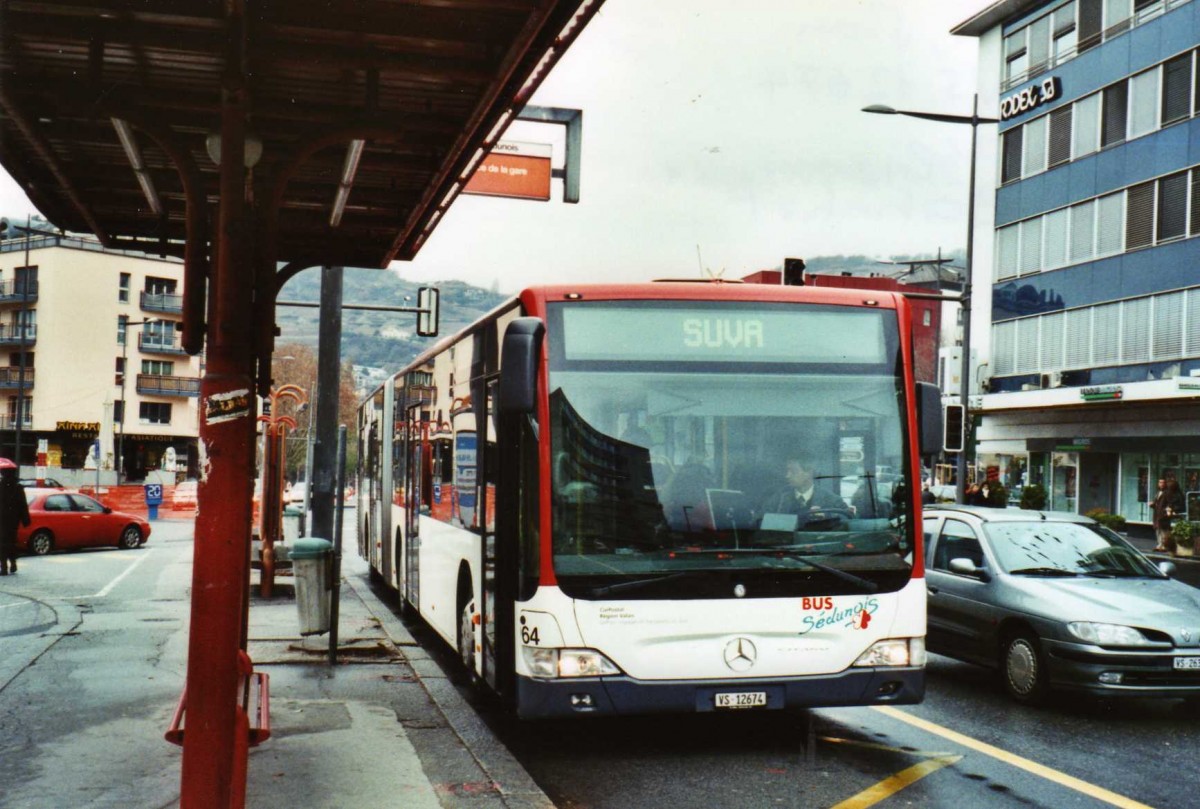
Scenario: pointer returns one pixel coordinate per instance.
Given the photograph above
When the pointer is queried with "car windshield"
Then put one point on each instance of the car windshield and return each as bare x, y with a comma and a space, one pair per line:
1045, 547
678, 464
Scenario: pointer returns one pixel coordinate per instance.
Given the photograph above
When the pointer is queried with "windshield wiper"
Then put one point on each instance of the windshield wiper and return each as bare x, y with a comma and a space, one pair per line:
858, 581
635, 583
1043, 571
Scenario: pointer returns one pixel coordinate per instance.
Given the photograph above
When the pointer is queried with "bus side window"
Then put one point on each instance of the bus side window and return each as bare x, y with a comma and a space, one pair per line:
528, 522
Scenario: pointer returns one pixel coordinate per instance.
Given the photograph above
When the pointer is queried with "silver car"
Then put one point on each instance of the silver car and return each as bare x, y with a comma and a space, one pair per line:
1054, 600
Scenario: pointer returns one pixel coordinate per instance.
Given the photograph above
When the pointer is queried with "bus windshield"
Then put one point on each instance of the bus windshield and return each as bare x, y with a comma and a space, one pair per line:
699, 446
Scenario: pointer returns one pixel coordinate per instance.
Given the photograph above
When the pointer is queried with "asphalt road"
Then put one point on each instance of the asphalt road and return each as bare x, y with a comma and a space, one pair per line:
966, 745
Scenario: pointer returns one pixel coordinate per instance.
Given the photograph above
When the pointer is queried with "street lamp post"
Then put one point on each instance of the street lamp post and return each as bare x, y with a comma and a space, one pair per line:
974, 120
124, 403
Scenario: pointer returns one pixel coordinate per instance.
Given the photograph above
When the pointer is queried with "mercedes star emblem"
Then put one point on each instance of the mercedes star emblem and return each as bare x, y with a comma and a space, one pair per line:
740, 654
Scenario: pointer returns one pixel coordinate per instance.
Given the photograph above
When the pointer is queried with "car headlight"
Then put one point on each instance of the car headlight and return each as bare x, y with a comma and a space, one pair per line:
894, 652
567, 662
1108, 634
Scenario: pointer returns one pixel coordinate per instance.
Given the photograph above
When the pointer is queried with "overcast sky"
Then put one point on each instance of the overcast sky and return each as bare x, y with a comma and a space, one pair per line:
735, 128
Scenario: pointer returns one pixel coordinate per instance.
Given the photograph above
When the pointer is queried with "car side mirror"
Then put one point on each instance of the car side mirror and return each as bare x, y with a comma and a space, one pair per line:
966, 567
1167, 568
107, 510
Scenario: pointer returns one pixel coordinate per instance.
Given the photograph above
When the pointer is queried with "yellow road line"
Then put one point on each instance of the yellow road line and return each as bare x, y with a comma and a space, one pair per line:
1070, 782
890, 786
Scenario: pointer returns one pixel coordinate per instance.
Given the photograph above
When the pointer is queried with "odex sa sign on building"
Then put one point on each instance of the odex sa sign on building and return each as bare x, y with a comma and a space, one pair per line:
518, 170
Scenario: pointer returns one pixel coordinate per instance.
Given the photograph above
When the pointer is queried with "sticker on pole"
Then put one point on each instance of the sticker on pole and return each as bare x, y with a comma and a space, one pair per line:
221, 407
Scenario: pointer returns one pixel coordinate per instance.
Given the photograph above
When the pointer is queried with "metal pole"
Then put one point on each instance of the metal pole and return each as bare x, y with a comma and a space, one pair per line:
308, 460
965, 370
121, 421
338, 508
328, 379
22, 320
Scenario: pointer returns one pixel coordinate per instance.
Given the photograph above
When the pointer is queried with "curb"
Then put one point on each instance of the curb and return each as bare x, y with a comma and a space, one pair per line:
516, 787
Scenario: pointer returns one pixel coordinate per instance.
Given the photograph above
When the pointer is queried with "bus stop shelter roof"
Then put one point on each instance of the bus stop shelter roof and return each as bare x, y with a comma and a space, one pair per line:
396, 101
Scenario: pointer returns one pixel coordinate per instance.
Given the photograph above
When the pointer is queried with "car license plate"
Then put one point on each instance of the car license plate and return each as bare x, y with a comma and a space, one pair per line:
745, 699
1187, 663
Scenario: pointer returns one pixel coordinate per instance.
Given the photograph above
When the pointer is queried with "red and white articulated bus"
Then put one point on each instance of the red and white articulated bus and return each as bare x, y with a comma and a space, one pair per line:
592, 492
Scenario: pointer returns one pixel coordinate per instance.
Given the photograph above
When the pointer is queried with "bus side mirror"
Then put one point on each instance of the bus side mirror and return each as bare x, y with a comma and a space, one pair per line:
519, 365
929, 418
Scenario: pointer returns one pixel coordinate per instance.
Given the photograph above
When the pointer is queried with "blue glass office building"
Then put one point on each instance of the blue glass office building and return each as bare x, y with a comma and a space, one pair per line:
1090, 248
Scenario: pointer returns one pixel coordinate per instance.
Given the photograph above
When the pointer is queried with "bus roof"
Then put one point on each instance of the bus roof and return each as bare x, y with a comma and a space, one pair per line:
712, 291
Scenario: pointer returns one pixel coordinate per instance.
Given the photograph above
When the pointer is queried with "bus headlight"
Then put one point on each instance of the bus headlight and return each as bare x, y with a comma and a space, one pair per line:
567, 662
894, 652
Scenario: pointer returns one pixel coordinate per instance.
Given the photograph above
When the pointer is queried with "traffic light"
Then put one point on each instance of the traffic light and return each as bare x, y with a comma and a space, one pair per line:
955, 421
793, 272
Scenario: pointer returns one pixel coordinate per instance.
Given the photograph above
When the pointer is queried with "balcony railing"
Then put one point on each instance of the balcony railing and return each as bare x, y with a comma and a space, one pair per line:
18, 291
11, 377
159, 344
1145, 14
158, 385
13, 335
162, 302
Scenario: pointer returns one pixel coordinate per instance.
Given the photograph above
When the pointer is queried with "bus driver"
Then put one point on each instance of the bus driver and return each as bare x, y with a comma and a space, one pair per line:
802, 496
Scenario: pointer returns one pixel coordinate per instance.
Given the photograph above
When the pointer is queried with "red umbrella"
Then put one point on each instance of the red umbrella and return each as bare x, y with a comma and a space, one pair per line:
5, 463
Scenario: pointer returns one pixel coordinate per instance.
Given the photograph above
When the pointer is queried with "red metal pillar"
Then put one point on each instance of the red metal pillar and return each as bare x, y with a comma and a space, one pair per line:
211, 744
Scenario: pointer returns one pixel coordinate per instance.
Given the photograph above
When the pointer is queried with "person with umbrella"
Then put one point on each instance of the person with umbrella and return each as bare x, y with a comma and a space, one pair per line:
13, 510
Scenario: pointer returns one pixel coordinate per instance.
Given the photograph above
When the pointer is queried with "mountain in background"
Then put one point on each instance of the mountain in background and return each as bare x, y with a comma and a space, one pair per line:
388, 340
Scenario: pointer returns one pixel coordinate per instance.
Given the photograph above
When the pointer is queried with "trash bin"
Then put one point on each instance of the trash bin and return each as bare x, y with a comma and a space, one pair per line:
312, 560
291, 523
154, 498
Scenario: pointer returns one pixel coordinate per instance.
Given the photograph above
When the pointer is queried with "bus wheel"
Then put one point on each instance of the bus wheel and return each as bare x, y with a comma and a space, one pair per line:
466, 638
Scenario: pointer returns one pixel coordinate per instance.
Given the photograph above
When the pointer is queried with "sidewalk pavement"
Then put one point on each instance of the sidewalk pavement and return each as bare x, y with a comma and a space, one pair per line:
381, 727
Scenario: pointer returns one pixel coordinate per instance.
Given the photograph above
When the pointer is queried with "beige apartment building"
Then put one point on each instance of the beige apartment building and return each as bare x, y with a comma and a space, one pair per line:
103, 364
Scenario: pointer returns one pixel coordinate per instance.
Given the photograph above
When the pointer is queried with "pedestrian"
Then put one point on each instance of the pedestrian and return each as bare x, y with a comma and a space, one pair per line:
975, 496
927, 495
1167, 505
13, 510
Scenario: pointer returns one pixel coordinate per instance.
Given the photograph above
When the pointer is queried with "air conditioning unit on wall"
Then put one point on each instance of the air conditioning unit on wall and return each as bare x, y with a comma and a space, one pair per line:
1052, 379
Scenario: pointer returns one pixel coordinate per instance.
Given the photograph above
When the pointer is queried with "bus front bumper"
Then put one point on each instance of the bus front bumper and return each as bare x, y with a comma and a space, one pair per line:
623, 695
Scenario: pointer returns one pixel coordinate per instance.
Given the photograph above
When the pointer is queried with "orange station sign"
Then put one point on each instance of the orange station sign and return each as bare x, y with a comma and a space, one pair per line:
516, 170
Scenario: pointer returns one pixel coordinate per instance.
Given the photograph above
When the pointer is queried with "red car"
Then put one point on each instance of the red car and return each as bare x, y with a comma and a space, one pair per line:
61, 520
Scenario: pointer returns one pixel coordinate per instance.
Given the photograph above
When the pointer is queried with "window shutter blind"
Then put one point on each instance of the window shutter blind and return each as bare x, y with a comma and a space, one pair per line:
1035, 146
1060, 136
1078, 338
1086, 135
1083, 231
1106, 332
1052, 342
1054, 227
1177, 89
1090, 17
1139, 216
1135, 330
1011, 169
1172, 207
1110, 225
1168, 326
1027, 345
1031, 245
1116, 110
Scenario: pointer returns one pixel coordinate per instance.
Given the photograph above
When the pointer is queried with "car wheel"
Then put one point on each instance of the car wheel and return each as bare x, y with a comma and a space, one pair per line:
131, 537
1024, 668
41, 543
466, 639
